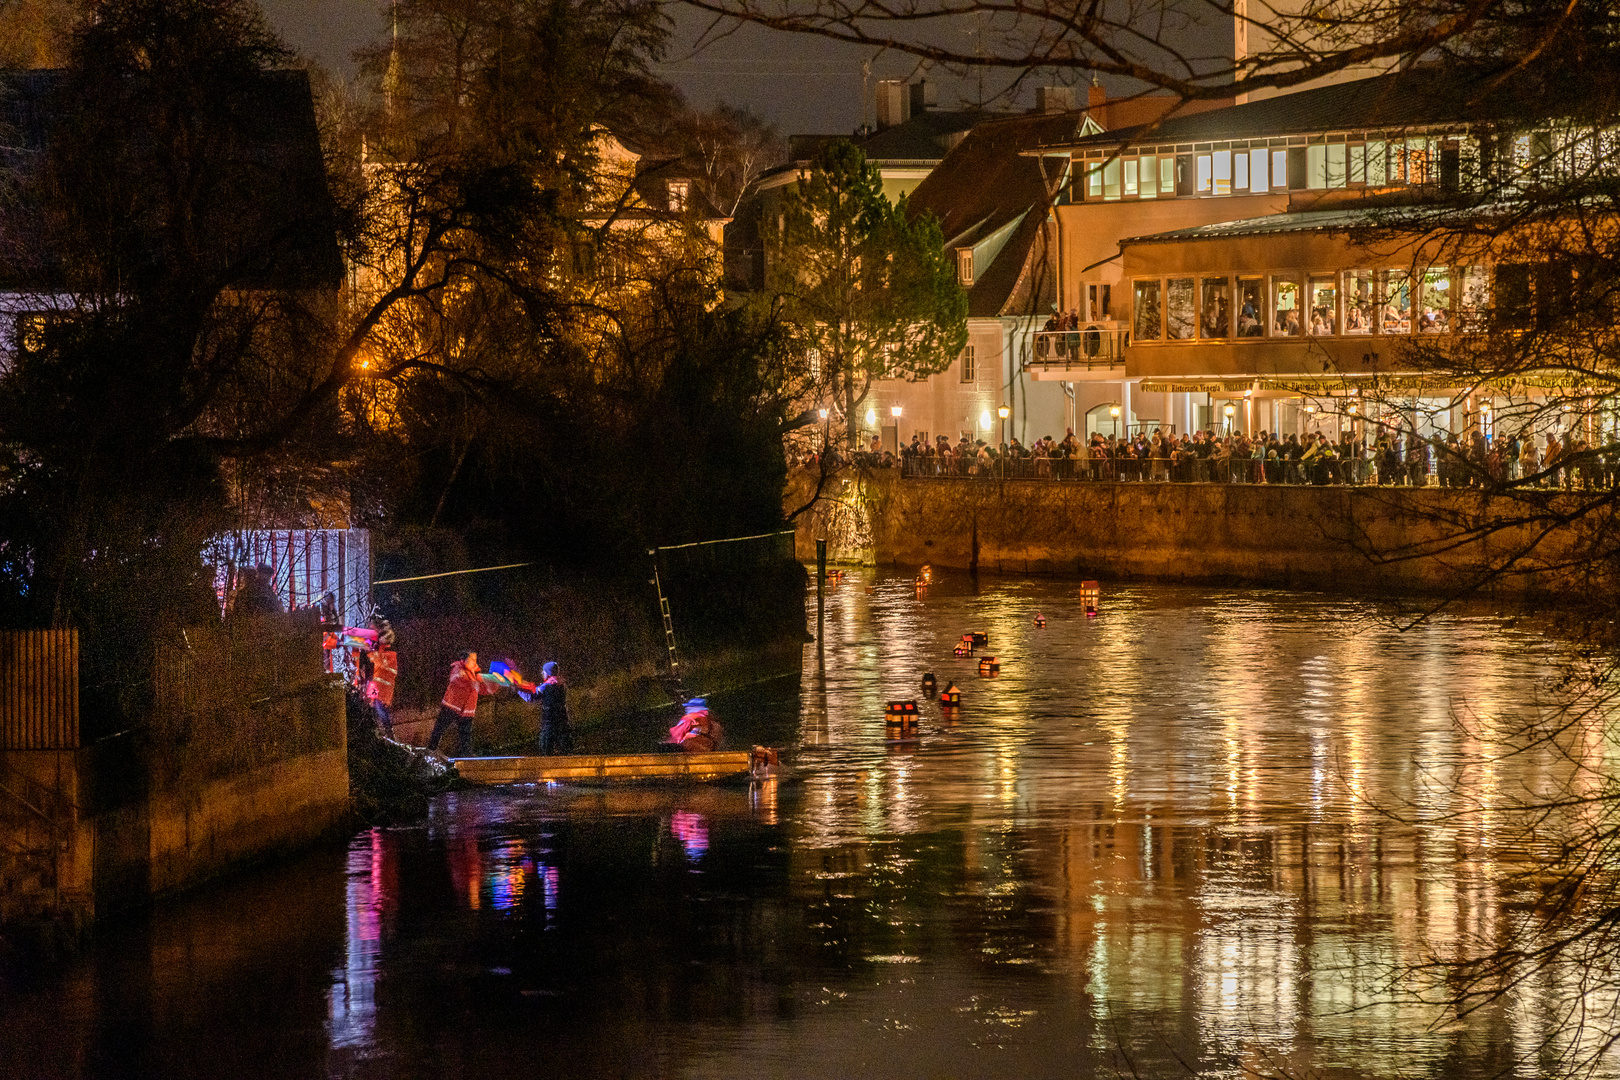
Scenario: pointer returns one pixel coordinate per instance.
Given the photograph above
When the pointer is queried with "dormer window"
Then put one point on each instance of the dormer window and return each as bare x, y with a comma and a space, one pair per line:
678, 192
964, 266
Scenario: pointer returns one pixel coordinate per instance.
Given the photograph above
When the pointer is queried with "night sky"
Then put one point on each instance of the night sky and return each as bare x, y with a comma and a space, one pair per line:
800, 83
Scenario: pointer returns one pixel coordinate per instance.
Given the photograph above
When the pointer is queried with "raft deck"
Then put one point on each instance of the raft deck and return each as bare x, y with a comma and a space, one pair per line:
613, 768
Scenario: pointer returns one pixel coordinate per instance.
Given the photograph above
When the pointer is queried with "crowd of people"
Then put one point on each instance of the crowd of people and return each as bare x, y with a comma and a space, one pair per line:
1399, 458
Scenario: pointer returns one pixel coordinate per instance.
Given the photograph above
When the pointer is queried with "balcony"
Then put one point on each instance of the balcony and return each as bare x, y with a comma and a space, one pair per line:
1096, 350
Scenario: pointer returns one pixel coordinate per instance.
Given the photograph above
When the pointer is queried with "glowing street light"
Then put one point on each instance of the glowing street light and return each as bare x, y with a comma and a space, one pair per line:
895, 412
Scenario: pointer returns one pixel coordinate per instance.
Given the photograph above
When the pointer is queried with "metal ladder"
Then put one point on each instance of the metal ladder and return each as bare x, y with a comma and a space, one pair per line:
669, 625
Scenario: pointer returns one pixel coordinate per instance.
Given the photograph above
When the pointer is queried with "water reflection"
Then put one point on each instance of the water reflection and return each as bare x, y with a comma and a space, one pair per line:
1153, 843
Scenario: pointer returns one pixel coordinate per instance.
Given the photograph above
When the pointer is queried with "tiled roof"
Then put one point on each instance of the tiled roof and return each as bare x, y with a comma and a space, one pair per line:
987, 183
1420, 97
1335, 220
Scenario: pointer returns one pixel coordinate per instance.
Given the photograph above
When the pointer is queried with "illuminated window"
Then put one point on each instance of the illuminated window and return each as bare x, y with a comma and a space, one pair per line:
679, 191
970, 367
1146, 321
964, 266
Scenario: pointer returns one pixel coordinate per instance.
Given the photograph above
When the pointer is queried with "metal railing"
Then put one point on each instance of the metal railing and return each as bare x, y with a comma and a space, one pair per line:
1182, 470
1084, 349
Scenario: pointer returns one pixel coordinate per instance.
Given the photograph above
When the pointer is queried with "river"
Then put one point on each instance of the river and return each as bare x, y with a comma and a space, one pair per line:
1195, 835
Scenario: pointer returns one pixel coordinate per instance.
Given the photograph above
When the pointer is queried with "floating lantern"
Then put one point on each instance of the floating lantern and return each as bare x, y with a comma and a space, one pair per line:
1040, 620
977, 638
1090, 596
963, 648
928, 683
900, 721
989, 665
950, 697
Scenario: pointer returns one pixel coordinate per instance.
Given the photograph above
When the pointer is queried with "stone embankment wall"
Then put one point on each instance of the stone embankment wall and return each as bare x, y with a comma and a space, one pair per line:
244, 758
1288, 536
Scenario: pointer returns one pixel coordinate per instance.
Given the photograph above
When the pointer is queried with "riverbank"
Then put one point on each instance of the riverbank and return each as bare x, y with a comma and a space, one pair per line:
1348, 539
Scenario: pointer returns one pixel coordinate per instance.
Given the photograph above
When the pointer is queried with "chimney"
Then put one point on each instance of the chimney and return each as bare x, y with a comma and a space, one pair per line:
1096, 97
924, 96
893, 104
1054, 99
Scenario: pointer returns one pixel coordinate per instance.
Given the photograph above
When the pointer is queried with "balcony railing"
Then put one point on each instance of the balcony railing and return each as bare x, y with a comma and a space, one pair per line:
1089, 348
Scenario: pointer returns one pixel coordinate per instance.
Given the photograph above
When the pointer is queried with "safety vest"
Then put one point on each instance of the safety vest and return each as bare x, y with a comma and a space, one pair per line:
462, 693
384, 670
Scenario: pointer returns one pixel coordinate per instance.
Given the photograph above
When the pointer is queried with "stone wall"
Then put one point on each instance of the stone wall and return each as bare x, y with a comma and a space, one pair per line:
1289, 536
246, 758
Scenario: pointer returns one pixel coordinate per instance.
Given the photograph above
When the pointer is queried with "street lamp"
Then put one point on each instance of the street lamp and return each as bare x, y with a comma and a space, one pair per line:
895, 412
1230, 410
1113, 412
1003, 412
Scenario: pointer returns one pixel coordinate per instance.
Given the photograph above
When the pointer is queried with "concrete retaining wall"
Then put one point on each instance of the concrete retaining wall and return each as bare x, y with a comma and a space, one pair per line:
1357, 539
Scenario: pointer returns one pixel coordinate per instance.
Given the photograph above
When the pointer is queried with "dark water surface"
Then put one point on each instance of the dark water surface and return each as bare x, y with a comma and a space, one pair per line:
1153, 846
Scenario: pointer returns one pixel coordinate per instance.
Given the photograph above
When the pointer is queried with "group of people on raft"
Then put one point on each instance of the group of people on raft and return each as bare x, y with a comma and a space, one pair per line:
376, 670
697, 731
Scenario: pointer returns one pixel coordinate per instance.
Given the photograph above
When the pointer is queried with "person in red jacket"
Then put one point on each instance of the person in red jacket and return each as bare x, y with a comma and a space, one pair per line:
697, 732
460, 702
380, 687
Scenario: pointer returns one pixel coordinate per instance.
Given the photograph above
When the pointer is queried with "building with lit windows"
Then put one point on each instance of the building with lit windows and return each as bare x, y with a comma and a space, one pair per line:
1214, 259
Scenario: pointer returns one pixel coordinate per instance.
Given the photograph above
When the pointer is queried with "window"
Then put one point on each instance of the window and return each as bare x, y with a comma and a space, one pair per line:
1205, 174
813, 357
1285, 318
1240, 171
1094, 181
1513, 296
1110, 185
964, 266
1436, 302
1323, 295
1101, 297
1316, 166
1149, 177
1336, 165
970, 367
1167, 175
1358, 163
1473, 299
1216, 319
1130, 177
678, 192
1279, 170
1186, 182
1397, 302
1145, 312
1296, 168
1180, 309
1377, 163
1360, 302
1222, 163
1251, 307
1258, 170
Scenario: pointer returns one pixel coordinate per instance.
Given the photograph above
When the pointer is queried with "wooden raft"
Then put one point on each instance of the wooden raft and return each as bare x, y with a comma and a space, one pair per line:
607, 768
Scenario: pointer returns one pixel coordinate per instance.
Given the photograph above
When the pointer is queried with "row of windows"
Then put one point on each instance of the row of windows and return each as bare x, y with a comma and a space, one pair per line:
1345, 160
1257, 169
1333, 303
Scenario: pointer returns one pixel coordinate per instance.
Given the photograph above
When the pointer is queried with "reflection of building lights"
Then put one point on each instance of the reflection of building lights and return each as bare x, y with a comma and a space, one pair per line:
692, 831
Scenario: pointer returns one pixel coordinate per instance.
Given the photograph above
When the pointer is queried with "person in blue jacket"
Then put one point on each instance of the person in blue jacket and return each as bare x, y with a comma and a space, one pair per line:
555, 736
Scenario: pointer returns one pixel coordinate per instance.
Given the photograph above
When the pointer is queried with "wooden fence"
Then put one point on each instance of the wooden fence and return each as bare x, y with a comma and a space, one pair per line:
39, 689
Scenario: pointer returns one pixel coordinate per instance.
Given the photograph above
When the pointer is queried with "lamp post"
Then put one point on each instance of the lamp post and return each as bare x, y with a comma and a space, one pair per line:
1003, 412
826, 430
1230, 410
1113, 413
894, 411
